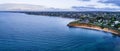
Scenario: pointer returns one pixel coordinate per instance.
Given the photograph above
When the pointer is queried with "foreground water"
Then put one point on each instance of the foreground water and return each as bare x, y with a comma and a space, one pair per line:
21, 32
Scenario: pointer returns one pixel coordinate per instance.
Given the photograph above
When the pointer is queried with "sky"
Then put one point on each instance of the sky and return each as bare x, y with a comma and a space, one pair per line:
72, 4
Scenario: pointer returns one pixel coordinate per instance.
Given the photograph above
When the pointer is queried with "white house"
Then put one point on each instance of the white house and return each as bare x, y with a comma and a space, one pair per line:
119, 28
116, 22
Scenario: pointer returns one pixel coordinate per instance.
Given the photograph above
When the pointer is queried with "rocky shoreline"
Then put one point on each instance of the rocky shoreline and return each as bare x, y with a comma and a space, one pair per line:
94, 27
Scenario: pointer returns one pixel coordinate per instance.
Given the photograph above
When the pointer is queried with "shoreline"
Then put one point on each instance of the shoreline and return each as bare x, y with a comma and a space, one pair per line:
93, 27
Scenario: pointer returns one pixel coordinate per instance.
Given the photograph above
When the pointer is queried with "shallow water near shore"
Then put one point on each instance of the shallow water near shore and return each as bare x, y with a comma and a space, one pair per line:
21, 32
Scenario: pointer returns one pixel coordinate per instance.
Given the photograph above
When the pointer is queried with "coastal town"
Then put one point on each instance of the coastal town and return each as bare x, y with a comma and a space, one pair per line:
109, 22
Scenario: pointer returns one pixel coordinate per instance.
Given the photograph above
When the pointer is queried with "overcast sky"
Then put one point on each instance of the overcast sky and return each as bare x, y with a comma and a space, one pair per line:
72, 4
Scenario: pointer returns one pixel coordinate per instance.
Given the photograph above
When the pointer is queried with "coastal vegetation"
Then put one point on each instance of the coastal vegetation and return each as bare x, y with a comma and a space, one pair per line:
107, 24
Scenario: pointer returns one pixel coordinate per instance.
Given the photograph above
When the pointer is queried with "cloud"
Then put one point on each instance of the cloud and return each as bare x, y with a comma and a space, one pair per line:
83, 0
98, 5
65, 4
26, 7
94, 9
117, 2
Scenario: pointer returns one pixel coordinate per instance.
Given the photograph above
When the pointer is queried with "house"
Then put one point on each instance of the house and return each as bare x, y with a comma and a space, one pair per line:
119, 28
116, 22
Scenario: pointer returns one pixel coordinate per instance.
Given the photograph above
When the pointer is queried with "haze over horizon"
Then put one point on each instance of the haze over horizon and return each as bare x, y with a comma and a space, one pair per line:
74, 5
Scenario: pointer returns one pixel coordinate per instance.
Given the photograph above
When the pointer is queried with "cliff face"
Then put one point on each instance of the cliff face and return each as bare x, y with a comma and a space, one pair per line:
85, 25
91, 26
111, 31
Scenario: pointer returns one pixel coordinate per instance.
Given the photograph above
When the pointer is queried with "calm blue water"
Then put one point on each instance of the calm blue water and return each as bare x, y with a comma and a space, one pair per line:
21, 32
